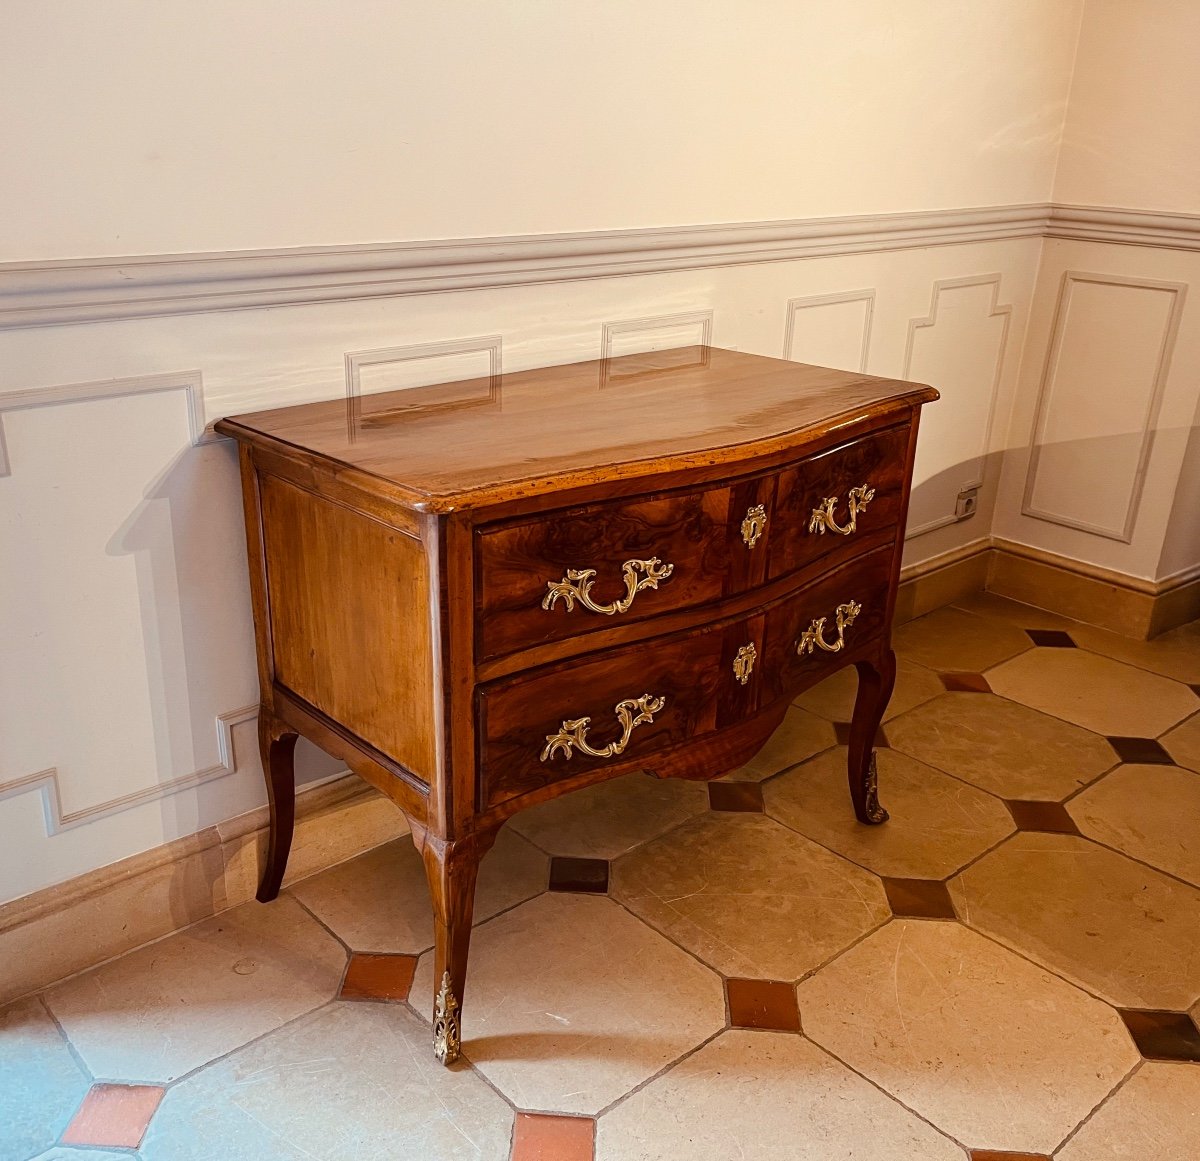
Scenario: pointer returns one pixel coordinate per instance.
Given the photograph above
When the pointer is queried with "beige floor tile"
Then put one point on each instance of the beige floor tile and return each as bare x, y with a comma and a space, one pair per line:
1102, 695
1014, 612
168, 1008
949, 640
1155, 1117
749, 896
1183, 743
380, 901
834, 697
1003, 747
40, 1083
1122, 930
1173, 654
937, 825
800, 736
607, 820
767, 1096
994, 1051
347, 1083
571, 1003
1150, 812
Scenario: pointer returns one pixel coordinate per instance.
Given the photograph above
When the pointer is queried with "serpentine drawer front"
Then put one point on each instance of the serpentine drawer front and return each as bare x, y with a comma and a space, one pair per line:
483, 595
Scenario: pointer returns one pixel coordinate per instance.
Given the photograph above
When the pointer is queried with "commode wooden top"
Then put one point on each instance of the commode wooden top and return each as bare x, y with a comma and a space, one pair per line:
523, 433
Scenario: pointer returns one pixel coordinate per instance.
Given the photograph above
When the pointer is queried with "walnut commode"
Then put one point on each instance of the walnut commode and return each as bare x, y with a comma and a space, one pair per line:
483, 595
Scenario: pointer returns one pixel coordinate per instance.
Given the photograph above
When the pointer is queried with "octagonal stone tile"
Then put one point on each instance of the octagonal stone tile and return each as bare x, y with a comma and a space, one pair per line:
768, 1096
1002, 747
1155, 1117
572, 1002
40, 1083
834, 697
159, 1012
1183, 743
610, 818
937, 825
1173, 654
1122, 930
1097, 693
348, 1082
379, 901
800, 736
949, 640
989, 1048
749, 896
1151, 813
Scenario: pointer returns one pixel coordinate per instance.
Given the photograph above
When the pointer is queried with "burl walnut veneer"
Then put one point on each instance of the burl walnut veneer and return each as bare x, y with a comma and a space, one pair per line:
483, 595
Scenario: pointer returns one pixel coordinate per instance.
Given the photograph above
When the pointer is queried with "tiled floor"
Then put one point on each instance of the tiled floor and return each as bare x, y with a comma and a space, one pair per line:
1009, 968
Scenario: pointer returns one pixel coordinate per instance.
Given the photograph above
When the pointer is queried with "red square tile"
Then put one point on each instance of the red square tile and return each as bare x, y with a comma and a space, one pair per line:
746, 797
114, 1115
763, 1004
378, 977
965, 682
1049, 817
919, 898
997, 1155
588, 876
541, 1137
1163, 1035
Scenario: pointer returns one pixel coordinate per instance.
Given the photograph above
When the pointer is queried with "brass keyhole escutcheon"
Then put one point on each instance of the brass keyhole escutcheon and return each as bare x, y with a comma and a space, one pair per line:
754, 525
743, 663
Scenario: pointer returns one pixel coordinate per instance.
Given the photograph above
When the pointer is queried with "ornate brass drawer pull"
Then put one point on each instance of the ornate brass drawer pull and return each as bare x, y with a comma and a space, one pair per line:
814, 636
754, 525
577, 586
822, 518
743, 663
630, 713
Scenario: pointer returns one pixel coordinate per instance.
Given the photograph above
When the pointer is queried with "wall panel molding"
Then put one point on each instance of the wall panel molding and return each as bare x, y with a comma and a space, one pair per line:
701, 321
995, 310
57, 820
816, 301
1144, 424
190, 382
140, 286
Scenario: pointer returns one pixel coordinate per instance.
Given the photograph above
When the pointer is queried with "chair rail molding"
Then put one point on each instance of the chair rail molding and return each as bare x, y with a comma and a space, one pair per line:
995, 310
190, 382
1045, 400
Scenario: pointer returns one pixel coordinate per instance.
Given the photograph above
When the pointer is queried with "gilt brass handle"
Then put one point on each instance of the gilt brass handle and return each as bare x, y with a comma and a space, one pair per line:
814, 636
577, 586
822, 517
754, 525
630, 713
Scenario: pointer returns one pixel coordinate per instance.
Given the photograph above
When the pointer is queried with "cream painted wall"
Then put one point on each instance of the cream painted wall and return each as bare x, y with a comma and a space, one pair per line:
125, 652
155, 126
1132, 134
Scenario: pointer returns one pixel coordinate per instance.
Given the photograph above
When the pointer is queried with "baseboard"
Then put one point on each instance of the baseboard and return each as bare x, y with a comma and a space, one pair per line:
943, 579
66, 929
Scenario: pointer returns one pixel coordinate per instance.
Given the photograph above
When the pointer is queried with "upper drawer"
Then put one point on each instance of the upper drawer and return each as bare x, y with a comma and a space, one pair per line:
575, 571
827, 504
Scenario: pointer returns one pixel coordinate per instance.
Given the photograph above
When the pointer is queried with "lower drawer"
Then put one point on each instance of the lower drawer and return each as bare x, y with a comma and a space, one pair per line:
619, 706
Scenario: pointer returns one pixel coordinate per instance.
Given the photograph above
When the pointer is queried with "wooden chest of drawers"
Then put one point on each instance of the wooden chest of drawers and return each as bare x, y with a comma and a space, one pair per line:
485, 594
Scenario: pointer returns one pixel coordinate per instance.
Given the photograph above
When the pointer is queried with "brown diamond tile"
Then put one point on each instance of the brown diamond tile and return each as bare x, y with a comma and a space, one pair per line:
993, 1155
919, 898
115, 1116
1050, 817
1163, 1035
742, 797
769, 1004
1051, 638
1142, 751
965, 683
587, 875
1195, 689
542, 1137
842, 731
378, 977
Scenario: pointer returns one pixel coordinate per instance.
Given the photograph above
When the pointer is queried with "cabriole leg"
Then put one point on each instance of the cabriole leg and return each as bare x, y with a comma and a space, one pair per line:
278, 746
875, 681
451, 869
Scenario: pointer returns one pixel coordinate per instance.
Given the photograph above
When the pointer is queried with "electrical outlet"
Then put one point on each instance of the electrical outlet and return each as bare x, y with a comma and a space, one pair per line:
967, 503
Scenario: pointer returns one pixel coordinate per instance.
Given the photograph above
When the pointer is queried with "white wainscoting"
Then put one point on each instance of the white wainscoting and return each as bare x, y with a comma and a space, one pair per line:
830, 330
1091, 444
